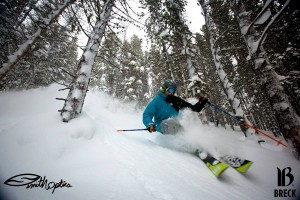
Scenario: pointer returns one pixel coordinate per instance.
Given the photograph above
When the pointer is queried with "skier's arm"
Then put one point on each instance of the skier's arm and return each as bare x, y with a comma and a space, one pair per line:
179, 103
148, 114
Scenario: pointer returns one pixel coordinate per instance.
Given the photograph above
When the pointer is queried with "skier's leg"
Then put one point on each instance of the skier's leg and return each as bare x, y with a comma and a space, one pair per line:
171, 126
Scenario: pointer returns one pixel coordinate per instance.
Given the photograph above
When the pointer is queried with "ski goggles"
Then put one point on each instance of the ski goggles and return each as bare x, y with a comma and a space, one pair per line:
171, 90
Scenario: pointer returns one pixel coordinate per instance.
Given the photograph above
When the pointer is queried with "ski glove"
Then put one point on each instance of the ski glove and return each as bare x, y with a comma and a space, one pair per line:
202, 100
151, 128
200, 104
240, 118
179, 103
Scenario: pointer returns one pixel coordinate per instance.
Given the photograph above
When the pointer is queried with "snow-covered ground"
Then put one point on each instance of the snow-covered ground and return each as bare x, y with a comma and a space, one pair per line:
99, 163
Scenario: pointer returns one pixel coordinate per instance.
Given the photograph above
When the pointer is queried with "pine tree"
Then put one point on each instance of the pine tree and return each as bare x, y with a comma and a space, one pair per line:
107, 69
12, 27
51, 11
167, 28
140, 85
51, 60
154, 65
159, 34
206, 65
220, 52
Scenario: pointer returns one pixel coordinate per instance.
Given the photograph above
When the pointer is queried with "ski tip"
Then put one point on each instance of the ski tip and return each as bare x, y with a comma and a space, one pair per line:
218, 174
218, 169
245, 167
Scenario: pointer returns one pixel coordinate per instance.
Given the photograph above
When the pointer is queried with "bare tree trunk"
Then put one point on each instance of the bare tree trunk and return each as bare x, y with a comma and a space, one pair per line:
14, 58
77, 93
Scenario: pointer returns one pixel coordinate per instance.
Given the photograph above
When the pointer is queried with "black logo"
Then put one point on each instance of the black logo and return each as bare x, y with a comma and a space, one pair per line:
34, 181
285, 179
282, 174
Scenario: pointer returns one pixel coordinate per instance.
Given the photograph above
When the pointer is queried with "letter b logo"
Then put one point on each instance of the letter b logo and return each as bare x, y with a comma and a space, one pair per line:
286, 172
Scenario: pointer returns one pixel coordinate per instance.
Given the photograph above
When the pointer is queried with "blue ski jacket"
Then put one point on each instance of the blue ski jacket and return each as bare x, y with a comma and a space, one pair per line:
167, 106
158, 110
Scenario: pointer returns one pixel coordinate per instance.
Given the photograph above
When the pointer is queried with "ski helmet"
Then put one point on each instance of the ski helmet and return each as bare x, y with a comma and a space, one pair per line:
168, 84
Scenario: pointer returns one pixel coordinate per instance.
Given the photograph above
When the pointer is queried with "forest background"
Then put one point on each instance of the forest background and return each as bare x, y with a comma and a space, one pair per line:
243, 59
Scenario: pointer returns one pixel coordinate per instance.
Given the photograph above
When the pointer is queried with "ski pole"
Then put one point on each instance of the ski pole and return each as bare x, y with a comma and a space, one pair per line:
142, 129
218, 108
265, 134
232, 116
246, 124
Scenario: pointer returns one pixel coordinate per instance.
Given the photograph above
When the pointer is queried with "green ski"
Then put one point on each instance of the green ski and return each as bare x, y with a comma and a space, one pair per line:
214, 165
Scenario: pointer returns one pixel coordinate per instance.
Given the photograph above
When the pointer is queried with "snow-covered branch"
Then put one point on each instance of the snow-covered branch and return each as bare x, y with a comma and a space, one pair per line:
266, 6
278, 14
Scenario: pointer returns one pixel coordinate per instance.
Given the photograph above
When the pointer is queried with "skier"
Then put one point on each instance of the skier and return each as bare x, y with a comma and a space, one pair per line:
160, 114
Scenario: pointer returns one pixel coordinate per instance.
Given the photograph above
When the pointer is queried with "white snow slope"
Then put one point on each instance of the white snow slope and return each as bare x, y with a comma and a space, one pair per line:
100, 163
